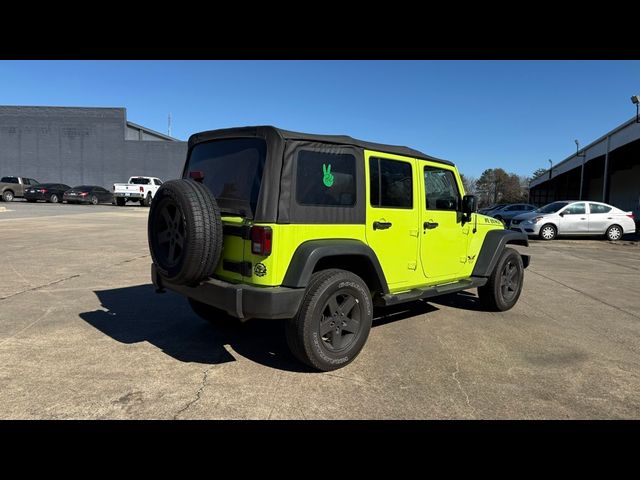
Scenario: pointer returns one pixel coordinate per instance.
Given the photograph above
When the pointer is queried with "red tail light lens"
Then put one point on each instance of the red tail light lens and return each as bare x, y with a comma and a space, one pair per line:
631, 216
42, 190
141, 189
83, 194
261, 240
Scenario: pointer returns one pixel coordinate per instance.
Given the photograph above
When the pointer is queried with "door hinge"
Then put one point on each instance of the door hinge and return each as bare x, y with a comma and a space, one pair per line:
412, 266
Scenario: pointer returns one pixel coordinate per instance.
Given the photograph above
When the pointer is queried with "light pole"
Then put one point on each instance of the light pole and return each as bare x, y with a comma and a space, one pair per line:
636, 101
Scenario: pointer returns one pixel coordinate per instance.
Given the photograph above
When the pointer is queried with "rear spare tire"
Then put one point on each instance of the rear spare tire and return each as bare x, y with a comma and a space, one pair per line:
184, 232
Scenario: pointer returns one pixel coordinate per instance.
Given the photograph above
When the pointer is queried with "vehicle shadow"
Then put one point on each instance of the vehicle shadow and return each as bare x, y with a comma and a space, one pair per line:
137, 314
463, 300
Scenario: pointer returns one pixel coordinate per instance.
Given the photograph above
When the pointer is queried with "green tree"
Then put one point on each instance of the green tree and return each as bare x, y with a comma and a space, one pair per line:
497, 186
539, 172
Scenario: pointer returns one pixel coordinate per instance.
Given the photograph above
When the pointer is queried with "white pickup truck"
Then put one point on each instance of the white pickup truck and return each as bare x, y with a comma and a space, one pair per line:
138, 189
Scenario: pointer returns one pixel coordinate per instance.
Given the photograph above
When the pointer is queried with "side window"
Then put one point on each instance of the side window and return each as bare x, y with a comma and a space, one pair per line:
391, 183
157, 182
26, 181
325, 179
597, 208
441, 189
575, 209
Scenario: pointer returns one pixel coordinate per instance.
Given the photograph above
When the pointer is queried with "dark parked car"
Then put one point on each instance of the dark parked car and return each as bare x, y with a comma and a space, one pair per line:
506, 213
88, 194
49, 192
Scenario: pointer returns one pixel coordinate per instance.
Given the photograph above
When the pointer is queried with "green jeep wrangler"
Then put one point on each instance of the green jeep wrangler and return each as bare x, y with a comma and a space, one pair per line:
319, 230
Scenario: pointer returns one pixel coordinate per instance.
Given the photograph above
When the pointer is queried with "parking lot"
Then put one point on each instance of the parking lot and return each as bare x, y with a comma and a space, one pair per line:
83, 335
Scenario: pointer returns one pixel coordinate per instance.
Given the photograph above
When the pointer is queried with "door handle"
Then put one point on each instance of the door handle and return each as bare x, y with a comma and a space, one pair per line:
583, 219
381, 225
430, 225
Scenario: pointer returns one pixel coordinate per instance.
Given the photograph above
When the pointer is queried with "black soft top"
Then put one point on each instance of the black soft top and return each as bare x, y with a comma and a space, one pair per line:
331, 139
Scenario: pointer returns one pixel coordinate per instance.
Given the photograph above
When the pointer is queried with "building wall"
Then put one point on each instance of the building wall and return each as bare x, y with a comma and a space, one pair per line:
80, 146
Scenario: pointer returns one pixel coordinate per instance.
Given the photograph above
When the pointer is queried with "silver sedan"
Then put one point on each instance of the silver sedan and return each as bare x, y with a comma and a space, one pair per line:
575, 218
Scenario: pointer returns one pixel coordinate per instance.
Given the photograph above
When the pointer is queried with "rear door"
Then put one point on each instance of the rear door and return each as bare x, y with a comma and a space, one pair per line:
574, 219
393, 217
599, 217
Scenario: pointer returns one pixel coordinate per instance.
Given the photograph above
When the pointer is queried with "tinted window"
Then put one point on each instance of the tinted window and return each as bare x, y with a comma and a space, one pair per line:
391, 183
232, 171
513, 208
441, 189
552, 207
575, 209
9, 180
529, 207
140, 181
597, 208
157, 182
325, 179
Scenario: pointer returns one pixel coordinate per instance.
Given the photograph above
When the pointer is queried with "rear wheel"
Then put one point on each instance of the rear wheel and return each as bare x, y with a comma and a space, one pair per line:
53, 198
548, 232
614, 232
334, 320
503, 289
7, 196
147, 200
94, 200
120, 201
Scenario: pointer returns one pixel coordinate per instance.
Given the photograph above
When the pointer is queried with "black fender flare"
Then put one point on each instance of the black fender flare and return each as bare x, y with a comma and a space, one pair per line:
492, 247
309, 253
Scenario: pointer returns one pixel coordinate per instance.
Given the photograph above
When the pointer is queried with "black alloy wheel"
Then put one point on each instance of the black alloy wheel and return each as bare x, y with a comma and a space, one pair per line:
340, 322
171, 233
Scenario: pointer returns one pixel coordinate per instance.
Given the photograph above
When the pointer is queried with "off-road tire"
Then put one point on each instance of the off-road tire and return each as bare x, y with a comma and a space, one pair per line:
191, 216
495, 295
120, 202
7, 196
548, 227
303, 331
611, 234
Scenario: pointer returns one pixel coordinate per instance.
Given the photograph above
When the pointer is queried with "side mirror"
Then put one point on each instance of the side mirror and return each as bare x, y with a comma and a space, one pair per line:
562, 214
469, 204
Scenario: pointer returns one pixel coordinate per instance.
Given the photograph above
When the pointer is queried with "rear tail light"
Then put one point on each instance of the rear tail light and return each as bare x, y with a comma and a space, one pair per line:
261, 239
42, 190
83, 194
631, 215
141, 189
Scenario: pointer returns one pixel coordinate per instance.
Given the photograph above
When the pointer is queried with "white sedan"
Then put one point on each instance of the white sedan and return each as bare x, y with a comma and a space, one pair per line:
575, 218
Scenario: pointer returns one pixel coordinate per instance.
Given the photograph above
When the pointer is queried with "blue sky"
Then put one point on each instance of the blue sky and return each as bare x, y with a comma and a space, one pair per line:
479, 114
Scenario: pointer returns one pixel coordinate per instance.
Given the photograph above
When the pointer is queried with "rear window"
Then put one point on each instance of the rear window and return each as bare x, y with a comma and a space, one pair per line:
9, 180
598, 208
232, 171
140, 181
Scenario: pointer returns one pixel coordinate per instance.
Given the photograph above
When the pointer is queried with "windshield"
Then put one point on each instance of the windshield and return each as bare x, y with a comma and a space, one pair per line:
140, 181
9, 180
232, 171
552, 207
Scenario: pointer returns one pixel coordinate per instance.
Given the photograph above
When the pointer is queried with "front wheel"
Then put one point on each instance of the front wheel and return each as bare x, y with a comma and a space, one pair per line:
120, 201
333, 322
503, 289
548, 232
53, 198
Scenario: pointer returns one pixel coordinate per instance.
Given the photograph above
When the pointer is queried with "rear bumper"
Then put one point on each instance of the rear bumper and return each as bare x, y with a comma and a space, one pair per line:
128, 195
239, 300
